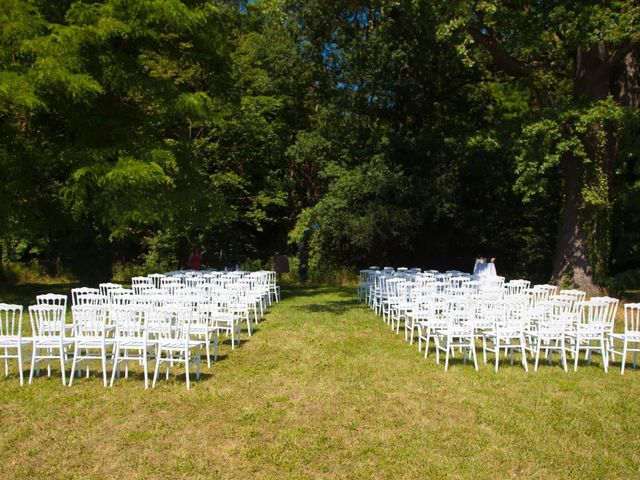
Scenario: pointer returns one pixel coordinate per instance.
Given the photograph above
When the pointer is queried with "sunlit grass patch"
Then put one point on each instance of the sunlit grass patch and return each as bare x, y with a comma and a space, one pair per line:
324, 389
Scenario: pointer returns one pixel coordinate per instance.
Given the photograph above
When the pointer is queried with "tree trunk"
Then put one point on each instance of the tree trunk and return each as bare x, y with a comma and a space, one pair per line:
572, 258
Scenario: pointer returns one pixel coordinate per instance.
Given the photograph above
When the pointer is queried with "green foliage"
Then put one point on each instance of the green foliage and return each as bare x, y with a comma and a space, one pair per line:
624, 281
394, 131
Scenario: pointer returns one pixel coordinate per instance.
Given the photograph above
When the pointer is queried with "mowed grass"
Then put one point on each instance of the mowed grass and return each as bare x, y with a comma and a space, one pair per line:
323, 389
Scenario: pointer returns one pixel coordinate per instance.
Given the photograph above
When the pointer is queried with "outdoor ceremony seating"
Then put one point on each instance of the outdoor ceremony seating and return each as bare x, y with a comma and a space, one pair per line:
456, 310
166, 319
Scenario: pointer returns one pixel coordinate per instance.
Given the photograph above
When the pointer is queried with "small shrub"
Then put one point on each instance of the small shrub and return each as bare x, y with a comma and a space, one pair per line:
624, 281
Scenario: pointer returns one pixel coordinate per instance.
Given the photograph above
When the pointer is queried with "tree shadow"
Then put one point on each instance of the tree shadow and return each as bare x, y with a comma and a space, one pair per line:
336, 307
313, 290
25, 293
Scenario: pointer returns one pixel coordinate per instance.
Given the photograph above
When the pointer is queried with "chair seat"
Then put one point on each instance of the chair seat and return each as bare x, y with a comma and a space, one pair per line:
586, 334
546, 335
134, 343
202, 329
93, 342
178, 344
51, 342
630, 337
9, 341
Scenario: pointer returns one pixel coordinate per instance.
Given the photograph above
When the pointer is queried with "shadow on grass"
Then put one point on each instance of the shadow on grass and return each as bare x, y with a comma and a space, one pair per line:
290, 291
25, 294
136, 376
336, 307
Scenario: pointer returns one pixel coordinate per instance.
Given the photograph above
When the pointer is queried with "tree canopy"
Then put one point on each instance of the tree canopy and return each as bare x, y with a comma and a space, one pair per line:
376, 131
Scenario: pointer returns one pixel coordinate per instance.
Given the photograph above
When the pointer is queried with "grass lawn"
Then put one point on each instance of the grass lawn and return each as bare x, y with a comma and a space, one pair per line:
323, 389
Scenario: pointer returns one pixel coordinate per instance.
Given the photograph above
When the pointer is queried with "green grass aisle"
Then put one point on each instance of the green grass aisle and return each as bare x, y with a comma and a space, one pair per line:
323, 389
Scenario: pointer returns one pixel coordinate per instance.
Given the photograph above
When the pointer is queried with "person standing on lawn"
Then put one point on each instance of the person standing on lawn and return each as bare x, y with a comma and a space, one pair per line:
195, 259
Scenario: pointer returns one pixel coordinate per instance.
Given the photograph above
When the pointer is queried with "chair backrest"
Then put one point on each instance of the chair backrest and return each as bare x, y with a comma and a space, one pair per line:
52, 299
130, 321
593, 315
612, 309
47, 320
81, 291
155, 279
458, 281
10, 320
89, 321
174, 323
555, 317
459, 314
105, 288
90, 299
122, 297
541, 293
632, 318
491, 283
577, 295
516, 287
141, 281
515, 316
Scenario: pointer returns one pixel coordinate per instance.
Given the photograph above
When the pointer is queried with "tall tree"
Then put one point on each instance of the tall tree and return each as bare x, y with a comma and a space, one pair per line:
578, 61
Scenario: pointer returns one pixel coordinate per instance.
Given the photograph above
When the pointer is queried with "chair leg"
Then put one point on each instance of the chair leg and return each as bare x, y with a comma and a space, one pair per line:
605, 359
73, 366
624, 356
446, 359
64, 381
155, 373
484, 349
524, 354
116, 356
33, 363
145, 368
206, 346
473, 352
186, 365
198, 364
20, 373
104, 366
535, 368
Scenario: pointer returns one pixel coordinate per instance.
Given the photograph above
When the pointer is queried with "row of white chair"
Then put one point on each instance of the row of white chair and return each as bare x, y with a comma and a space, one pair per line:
455, 311
117, 325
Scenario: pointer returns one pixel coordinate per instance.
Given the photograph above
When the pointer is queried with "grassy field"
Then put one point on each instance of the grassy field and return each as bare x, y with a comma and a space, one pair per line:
323, 389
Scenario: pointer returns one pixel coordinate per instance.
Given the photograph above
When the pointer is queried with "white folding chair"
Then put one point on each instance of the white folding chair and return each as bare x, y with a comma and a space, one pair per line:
508, 332
174, 342
49, 335
132, 342
590, 332
630, 338
90, 339
11, 337
550, 331
457, 333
